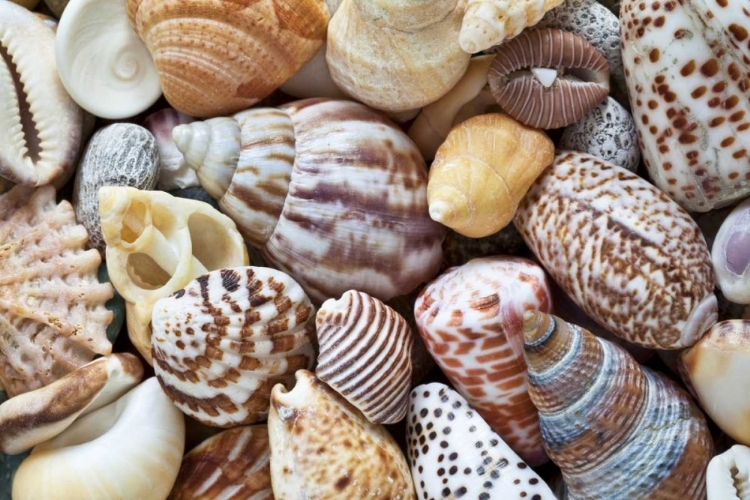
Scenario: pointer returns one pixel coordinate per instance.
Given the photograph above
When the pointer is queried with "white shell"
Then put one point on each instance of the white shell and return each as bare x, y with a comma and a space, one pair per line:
728, 475
174, 172
731, 255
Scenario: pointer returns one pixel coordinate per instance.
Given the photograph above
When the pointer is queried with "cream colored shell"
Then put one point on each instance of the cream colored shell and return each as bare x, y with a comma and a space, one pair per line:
728, 475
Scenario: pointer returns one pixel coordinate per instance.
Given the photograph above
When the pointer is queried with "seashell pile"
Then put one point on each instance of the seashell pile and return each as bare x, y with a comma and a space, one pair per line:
374, 249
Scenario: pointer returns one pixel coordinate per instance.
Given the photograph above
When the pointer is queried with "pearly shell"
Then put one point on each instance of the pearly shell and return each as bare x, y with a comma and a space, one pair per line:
615, 429
687, 76
731, 255
365, 355
322, 448
728, 475
479, 463
221, 343
216, 57
121, 154
470, 320
174, 172
52, 314
626, 254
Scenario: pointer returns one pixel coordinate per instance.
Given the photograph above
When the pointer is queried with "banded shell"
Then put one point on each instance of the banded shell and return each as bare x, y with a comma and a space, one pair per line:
221, 343
728, 475
730, 255
470, 318
52, 314
174, 172
626, 254
615, 429
548, 78
365, 355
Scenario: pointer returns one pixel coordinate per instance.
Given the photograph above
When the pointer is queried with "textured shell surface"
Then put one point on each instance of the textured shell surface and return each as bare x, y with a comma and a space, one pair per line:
323, 448
39, 122
121, 154
365, 355
615, 429
687, 76
232, 465
52, 314
627, 254
728, 475
222, 343
730, 254
479, 463
471, 320
174, 172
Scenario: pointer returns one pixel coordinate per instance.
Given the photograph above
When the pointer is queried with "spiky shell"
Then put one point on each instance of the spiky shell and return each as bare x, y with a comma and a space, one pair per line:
728, 473
615, 429
730, 254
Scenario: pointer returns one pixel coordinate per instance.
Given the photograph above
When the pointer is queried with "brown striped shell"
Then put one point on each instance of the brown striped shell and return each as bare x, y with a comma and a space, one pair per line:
582, 80
222, 343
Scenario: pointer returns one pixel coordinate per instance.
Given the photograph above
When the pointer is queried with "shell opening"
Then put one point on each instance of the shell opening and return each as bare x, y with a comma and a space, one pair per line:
209, 242
30, 132
145, 272
134, 222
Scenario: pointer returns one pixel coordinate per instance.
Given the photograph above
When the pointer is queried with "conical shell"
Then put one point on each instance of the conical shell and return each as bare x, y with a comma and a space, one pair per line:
365, 355
322, 448
227, 338
615, 429
52, 314
731, 255
728, 475
471, 321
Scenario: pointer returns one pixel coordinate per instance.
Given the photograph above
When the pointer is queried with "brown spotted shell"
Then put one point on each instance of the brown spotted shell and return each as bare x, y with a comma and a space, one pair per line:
582, 82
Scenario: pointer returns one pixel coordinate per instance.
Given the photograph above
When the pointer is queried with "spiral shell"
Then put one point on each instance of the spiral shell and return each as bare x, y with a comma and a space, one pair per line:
730, 255
174, 172
727, 477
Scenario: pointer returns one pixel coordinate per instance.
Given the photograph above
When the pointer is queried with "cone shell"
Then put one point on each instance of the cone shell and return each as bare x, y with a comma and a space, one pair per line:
628, 255
731, 255
322, 448
470, 319
615, 429
728, 473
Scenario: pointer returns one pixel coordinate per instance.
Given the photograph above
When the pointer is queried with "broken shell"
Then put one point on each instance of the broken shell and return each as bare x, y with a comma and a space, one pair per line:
731, 255
52, 314
174, 172
232, 465
483, 170
548, 78
227, 338
728, 475
479, 463
34, 417
322, 448
365, 355
131, 448
39, 123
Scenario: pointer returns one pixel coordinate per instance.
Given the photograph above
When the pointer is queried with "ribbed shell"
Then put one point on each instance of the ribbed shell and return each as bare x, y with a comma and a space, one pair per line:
523, 97
615, 429
628, 255
728, 475
731, 255
227, 338
365, 355
52, 314
470, 319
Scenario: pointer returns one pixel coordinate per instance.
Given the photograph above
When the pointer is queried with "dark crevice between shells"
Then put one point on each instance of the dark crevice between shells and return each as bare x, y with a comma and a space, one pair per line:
30, 132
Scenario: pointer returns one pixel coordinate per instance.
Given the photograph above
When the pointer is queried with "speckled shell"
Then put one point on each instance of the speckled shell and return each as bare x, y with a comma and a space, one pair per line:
221, 343
628, 255
174, 172
322, 448
728, 473
470, 318
479, 463
731, 255
121, 154
233, 465
615, 429
687, 69
365, 355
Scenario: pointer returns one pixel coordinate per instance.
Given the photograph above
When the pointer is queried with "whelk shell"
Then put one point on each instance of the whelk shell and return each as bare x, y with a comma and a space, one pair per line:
728, 475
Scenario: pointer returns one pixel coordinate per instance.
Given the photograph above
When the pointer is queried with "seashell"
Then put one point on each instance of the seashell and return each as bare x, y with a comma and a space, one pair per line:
731, 255
716, 370
394, 55
248, 329
630, 257
548, 78
365, 355
470, 320
279, 174
174, 172
615, 429
34, 417
422, 363
491, 22
324, 448
688, 84
40, 124
52, 314
156, 244
131, 448
216, 57
104, 66
728, 473
459, 249
122, 154
479, 463
482, 171
233, 465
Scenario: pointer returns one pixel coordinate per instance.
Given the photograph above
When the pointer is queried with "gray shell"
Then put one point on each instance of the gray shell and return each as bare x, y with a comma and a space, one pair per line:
122, 154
